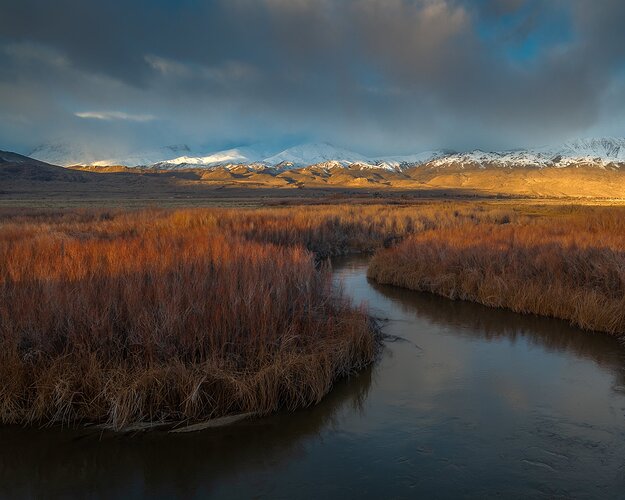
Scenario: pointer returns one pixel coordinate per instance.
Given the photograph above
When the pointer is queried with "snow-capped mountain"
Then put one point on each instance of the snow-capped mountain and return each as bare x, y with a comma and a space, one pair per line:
595, 152
66, 154
314, 153
606, 150
400, 162
235, 156
299, 156
62, 154
483, 159
587, 152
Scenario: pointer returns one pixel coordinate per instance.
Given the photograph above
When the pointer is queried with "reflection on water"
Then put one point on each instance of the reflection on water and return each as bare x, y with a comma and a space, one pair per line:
474, 320
475, 402
51, 462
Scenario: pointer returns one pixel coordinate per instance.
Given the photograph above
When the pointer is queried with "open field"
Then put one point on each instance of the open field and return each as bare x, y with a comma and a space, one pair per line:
28, 182
531, 182
567, 264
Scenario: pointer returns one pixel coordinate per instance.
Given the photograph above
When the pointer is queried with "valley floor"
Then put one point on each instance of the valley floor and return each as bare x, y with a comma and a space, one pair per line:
41, 184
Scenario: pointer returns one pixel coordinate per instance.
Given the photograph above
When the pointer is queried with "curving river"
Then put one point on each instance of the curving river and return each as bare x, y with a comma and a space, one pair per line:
466, 402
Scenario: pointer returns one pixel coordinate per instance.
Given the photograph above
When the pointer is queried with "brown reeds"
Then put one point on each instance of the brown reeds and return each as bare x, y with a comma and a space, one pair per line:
153, 316
121, 317
568, 265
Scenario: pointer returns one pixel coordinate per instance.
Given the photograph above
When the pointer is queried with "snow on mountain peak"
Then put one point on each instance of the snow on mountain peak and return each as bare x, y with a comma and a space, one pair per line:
63, 154
398, 162
225, 157
606, 149
66, 154
313, 153
597, 152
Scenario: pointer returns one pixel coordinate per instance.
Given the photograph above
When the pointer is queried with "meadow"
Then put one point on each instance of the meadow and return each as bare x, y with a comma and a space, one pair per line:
121, 317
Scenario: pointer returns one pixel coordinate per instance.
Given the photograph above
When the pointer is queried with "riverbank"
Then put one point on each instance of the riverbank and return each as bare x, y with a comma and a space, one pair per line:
475, 399
569, 266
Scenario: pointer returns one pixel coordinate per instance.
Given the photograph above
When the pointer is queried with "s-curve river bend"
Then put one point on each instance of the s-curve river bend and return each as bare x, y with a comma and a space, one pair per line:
465, 402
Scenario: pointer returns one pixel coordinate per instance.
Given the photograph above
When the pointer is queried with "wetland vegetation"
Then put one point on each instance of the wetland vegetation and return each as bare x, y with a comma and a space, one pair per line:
120, 317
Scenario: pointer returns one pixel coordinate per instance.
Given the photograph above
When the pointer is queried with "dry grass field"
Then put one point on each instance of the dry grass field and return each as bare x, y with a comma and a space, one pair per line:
120, 316
570, 182
168, 315
153, 316
566, 263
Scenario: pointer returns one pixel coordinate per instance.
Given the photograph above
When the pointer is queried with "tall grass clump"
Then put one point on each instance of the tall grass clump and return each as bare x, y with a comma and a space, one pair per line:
121, 318
570, 265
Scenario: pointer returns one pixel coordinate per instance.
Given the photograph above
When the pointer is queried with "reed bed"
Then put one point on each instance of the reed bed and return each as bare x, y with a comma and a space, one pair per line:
569, 264
120, 317
155, 316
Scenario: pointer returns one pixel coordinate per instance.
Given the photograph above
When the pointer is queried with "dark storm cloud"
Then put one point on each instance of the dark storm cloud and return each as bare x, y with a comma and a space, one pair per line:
376, 75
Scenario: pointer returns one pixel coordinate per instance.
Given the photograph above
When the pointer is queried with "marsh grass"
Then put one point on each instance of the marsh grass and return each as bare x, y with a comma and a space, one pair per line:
569, 265
123, 317
145, 316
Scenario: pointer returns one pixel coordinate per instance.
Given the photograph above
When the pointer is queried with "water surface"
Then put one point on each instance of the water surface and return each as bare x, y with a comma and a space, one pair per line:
465, 402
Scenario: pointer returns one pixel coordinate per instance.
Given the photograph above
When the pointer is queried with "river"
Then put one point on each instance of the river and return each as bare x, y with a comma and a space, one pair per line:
465, 401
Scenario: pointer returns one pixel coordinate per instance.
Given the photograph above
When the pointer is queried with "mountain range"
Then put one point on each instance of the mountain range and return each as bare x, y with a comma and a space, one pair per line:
593, 168
601, 152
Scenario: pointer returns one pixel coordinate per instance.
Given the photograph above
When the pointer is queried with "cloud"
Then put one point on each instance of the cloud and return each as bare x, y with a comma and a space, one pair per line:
114, 115
168, 67
374, 75
228, 72
27, 52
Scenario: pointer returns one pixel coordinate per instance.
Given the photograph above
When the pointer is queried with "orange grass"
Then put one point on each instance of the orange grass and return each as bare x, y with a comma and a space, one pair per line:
156, 316
124, 317
568, 265
121, 317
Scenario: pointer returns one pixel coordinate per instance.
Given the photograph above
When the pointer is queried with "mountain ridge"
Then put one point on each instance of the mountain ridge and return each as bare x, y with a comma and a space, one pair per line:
20, 174
601, 152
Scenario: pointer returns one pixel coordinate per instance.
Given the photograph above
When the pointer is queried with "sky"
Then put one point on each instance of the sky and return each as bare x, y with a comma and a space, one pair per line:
375, 76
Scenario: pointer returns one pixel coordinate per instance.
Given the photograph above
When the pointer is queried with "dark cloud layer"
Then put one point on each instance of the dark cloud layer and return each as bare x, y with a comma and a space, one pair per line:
375, 75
